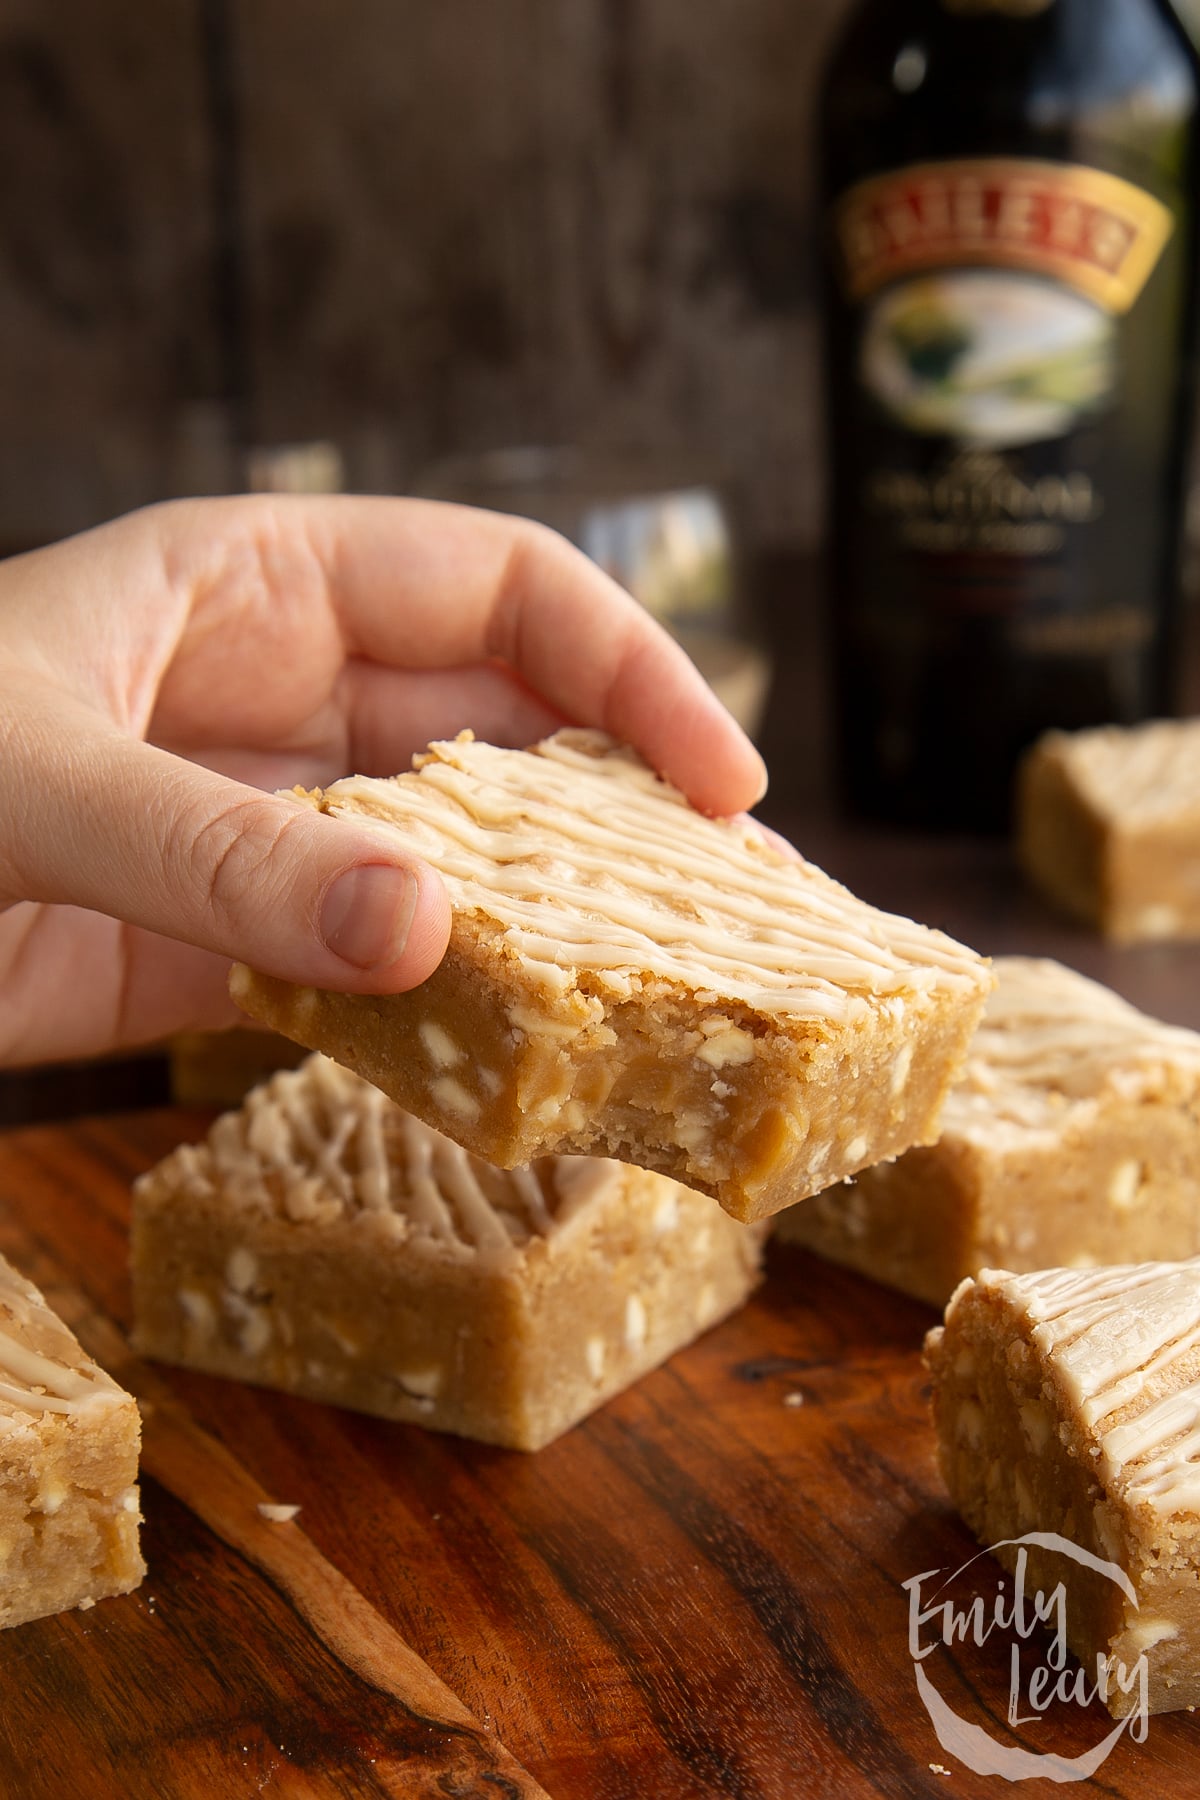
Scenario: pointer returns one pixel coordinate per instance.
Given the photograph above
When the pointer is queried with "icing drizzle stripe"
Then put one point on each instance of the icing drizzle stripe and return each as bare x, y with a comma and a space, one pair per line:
1126, 1339
319, 1144
42, 1368
587, 860
1052, 1045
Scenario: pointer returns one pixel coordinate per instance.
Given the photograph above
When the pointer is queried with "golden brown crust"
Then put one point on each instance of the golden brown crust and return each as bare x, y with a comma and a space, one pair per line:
673, 993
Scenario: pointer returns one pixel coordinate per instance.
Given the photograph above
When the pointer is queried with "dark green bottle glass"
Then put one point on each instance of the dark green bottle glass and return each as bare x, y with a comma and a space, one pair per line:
1007, 198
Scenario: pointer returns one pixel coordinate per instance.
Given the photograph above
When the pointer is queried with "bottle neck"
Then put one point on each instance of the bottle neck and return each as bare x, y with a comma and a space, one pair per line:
1110, 83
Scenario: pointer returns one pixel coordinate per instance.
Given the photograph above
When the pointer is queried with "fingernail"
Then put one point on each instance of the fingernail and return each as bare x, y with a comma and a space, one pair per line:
367, 914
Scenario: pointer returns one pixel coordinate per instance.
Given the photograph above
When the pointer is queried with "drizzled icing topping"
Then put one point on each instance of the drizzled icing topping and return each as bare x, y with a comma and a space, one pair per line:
588, 861
1052, 1045
1125, 1341
1135, 773
42, 1368
320, 1144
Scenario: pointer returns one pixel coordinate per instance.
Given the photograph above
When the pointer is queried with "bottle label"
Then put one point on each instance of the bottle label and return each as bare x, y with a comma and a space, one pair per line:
991, 291
1006, 373
1090, 230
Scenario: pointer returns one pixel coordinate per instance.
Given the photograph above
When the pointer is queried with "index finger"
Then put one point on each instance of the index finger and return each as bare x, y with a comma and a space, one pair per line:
426, 584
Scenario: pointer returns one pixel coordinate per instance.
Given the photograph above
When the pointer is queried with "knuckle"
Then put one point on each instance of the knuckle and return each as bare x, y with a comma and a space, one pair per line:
249, 847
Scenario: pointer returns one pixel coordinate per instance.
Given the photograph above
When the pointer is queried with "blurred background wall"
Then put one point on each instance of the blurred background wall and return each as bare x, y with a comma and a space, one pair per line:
459, 224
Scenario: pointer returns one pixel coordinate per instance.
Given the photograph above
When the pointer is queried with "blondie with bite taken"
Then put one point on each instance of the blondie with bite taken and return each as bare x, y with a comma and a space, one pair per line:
628, 978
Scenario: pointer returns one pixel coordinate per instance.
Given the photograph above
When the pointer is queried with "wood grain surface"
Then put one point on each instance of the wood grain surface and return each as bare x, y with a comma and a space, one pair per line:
696, 1592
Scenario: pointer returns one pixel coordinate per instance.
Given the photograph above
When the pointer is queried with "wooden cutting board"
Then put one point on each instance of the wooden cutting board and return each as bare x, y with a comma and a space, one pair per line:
696, 1592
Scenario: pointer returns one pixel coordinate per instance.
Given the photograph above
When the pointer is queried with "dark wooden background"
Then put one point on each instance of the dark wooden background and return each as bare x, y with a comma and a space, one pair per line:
463, 224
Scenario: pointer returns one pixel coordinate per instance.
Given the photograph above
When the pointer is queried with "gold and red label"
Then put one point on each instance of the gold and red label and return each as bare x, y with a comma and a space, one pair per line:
1083, 227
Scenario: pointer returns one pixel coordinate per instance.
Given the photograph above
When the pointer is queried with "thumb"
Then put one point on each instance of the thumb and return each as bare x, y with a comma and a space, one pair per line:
129, 830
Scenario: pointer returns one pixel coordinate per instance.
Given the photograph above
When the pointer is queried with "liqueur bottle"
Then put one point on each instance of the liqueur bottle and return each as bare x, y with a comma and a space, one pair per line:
1008, 190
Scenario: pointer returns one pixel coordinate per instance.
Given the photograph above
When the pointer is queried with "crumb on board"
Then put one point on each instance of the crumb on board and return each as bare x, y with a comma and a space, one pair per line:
276, 1512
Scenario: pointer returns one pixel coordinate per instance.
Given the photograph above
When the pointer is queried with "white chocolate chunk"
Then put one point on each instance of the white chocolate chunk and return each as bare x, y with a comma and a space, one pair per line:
728, 1049
1124, 1184
241, 1270
439, 1046
422, 1384
453, 1098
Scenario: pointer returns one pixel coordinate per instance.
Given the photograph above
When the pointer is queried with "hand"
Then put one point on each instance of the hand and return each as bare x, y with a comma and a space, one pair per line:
159, 673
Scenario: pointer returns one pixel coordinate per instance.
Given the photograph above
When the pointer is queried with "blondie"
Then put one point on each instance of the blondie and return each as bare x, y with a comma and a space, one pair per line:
1072, 1136
626, 977
325, 1242
1067, 1402
1108, 826
69, 1441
